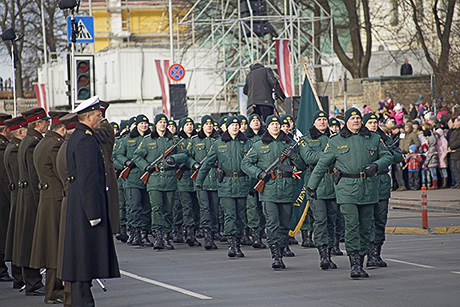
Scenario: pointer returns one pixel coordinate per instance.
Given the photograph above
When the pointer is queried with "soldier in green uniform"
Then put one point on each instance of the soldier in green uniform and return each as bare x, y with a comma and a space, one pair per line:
18, 129
370, 120
186, 185
162, 182
135, 189
324, 208
223, 124
358, 155
233, 183
207, 196
255, 215
278, 194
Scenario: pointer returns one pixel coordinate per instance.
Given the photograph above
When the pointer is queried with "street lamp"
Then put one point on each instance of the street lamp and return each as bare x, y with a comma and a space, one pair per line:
10, 35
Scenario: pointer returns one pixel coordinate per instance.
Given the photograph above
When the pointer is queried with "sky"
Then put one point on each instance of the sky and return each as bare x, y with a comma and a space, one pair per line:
5, 67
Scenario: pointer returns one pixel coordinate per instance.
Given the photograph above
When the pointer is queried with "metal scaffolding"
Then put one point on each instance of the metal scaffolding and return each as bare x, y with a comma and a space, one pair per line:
236, 33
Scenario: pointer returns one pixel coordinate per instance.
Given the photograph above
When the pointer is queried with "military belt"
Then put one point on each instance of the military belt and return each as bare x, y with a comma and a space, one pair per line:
22, 184
12, 186
164, 169
278, 174
361, 175
43, 186
235, 174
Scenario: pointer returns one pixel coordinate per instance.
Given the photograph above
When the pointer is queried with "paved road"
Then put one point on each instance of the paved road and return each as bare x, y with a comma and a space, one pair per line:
424, 270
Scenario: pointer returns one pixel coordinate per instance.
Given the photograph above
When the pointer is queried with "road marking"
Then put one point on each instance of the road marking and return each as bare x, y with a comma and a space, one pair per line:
453, 272
163, 285
411, 263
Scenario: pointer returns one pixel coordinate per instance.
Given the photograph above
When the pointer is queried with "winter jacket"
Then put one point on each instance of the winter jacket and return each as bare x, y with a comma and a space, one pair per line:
260, 83
413, 161
432, 153
454, 143
407, 139
441, 146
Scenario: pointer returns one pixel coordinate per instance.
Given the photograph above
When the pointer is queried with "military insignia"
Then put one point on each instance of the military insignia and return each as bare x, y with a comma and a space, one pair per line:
371, 152
189, 145
264, 147
353, 113
340, 147
88, 132
327, 147
302, 143
208, 120
140, 145
248, 151
222, 146
321, 114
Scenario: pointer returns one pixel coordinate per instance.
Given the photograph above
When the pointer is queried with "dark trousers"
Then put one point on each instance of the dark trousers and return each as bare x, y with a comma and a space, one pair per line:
234, 215
358, 223
456, 170
264, 111
177, 211
3, 267
325, 214
209, 203
81, 294
53, 285
67, 294
380, 222
399, 175
32, 278
254, 212
339, 223
122, 203
277, 216
189, 204
414, 180
140, 210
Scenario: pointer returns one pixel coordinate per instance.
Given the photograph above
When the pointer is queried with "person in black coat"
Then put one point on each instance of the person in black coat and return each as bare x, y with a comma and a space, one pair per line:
89, 252
406, 68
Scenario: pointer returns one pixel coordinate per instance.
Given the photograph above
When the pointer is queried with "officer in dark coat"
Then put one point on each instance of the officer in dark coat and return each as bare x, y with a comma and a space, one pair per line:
4, 196
89, 251
28, 198
18, 129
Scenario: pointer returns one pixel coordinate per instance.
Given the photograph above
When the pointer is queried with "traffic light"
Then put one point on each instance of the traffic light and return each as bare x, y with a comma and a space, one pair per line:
85, 79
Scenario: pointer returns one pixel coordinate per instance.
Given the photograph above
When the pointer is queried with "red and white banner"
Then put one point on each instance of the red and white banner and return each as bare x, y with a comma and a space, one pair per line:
40, 93
162, 70
284, 67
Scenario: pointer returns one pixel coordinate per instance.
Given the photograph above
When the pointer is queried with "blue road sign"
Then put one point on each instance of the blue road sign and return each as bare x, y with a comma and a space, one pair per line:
176, 72
85, 26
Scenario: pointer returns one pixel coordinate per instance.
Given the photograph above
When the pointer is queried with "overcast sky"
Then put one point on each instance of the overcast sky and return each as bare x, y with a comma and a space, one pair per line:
5, 67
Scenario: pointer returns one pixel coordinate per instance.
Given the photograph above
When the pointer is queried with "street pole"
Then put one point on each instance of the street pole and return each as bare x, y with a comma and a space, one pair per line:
72, 59
45, 52
171, 33
13, 64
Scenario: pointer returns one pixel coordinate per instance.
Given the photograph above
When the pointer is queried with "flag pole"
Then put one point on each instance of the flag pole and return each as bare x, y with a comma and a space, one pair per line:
311, 85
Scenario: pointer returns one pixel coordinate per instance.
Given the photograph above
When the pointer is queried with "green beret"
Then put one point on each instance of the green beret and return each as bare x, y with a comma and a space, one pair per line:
159, 117
272, 118
369, 116
352, 112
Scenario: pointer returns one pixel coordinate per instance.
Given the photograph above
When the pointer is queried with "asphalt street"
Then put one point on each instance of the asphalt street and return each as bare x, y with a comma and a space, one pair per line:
424, 270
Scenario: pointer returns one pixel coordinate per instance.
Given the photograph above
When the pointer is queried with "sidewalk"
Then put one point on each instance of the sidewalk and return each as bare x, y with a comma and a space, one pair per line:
447, 200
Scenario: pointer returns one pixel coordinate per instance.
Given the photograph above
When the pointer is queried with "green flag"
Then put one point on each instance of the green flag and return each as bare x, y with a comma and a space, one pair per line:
309, 104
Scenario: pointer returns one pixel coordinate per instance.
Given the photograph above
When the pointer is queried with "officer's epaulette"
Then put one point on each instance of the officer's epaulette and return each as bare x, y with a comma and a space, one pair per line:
88, 132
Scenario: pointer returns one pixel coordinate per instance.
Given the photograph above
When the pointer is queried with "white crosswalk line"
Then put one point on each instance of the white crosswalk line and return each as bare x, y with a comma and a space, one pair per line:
411, 263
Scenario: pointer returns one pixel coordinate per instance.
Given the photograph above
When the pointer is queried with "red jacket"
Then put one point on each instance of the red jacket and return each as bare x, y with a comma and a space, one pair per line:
413, 162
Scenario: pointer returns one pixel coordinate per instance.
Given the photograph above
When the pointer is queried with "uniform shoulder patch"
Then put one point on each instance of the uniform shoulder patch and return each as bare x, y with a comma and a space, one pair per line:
132, 141
313, 140
343, 146
222, 146
88, 132
264, 147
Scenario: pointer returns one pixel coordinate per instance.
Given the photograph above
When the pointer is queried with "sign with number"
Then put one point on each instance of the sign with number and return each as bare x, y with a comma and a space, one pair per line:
176, 72
85, 26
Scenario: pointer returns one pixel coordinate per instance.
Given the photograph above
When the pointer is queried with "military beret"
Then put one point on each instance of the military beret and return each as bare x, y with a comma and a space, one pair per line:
242, 118
352, 112
333, 122
159, 117
4, 117
272, 118
115, 125
185, 120
319, 114
141, 118
233, 120
254, 116
223, 120
131, 121
207, 119
88, 105
16, 123
369, 116
172, 123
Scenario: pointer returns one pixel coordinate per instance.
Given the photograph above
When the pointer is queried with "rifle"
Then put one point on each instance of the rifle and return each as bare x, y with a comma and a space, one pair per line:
195, 173
269, 171
125, 173
160, 159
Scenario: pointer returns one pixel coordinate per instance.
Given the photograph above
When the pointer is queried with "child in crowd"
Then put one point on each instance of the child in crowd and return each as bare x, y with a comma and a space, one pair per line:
431, 162
414, 160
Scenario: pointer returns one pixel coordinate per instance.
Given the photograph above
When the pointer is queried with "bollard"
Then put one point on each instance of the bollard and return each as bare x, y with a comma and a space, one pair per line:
424, 209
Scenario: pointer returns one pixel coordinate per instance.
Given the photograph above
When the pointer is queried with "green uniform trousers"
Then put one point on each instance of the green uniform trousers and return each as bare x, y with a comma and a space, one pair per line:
309, 220
162, 205
177, 211
139, 208
122, 204
380, 221
324, 213
277, 216
358, 223
255, 215
209, 204
189, 203
339, 223
234, 215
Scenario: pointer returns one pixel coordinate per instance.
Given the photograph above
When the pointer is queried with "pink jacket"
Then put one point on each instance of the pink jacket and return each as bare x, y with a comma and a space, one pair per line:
442, 149
398, 116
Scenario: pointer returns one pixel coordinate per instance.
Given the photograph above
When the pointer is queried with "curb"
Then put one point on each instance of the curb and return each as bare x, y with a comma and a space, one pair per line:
415, 206
420, 231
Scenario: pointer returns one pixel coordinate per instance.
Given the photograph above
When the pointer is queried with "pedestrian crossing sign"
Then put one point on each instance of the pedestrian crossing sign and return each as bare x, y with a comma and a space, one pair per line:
85, 26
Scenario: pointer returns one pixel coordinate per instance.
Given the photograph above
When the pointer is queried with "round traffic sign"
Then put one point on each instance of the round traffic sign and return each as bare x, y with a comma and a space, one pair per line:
176, 72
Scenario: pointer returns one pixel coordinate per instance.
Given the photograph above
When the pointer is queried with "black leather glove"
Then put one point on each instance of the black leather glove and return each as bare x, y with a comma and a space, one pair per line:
371, 169
290, 153
262, 175
199, 186
150, 168
130, 164
312, 193
169, 162
196, 166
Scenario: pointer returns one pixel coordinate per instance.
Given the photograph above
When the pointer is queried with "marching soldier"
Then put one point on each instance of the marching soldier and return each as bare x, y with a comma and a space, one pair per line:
370, 120
233, 183
18, 129
28, 198
358, 155
278, 194
135, 189
46, 234
324, 208
162, 182
207, 196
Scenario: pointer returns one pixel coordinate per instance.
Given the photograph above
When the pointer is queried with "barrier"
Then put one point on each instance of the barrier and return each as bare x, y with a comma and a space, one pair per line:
424, 209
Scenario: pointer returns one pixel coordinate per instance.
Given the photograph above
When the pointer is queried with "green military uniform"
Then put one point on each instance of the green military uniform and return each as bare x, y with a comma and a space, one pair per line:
278, 194
122, 203
162, 182
357, 191
135, 189
233, 184
208, 199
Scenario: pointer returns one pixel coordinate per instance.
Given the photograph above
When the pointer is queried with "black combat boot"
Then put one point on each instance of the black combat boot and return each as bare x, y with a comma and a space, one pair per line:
178, 234
158, 244
231, 247
122, 236
261, 237
355, 265
130, 233
145, 239
190, 240
286, 252
207, 239
371, 261
336, 249
275, 251
239, 252
213, 238
311, 242
292, 241
166, 241
137, 237
361, 269
378, 260
199, 233
332, 265
256, 240
323, 261
305, 238
223, 238
245, 240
